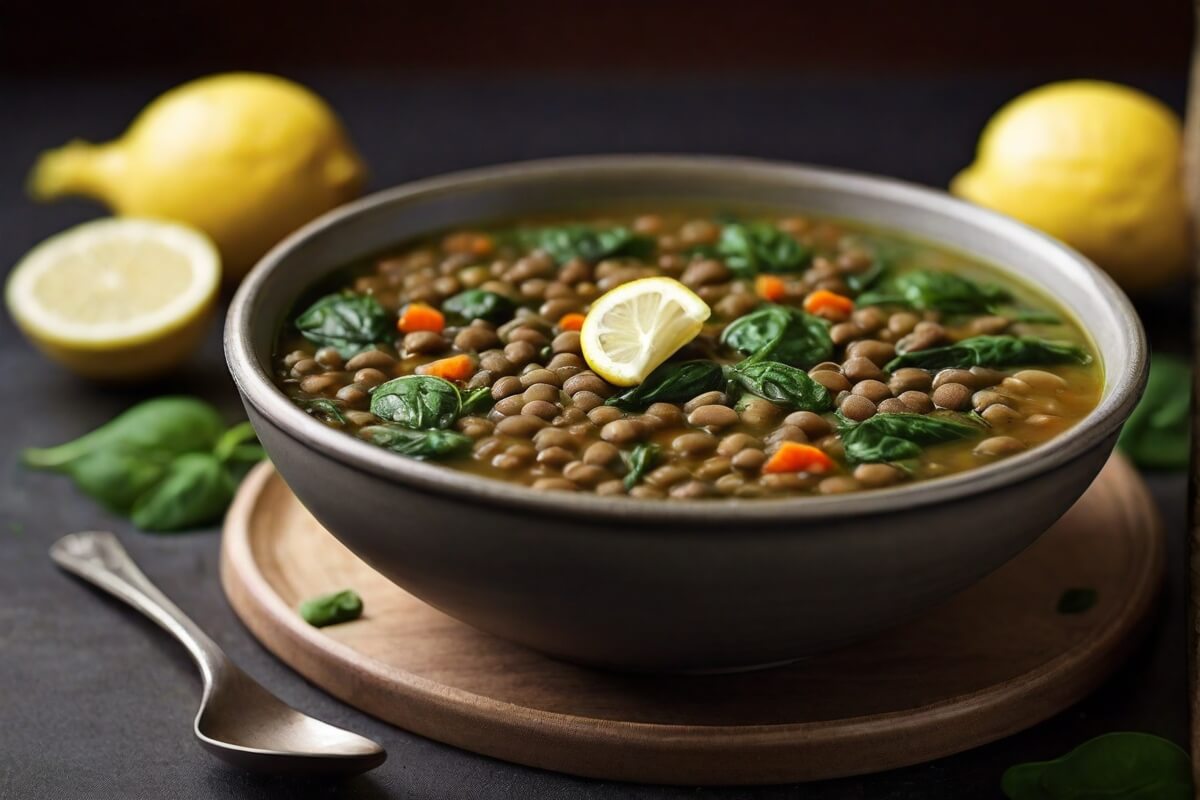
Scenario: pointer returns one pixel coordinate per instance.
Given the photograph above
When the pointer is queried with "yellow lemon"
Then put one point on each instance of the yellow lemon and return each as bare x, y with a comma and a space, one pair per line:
244, 157
633, 328
1096, 165
117, 298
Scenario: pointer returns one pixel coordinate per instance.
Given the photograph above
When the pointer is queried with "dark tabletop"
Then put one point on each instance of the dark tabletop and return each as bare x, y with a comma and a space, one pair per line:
96, 703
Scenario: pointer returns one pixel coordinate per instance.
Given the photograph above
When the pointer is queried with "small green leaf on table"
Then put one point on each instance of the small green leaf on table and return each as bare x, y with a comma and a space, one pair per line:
1157, 434
332, 609
1115, 766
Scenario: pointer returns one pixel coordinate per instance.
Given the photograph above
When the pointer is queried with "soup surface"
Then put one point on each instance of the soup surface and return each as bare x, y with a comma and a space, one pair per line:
835, 358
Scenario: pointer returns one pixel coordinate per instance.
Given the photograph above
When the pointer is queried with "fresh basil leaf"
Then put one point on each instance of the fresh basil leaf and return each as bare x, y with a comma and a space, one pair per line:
1076, 601
195, 490
417, 401
565, 242
477, 401
993, 351
476, 304
324, 409
673, 382
753, 247
1157, 434
896, 437
331, 609
782, 384
1126, 765
781, 333
420, 444
165, 426
639, 462
347, 321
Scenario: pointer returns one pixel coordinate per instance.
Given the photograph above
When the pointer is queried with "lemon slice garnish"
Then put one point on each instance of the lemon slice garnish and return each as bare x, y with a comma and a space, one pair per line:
117, 298
637, 326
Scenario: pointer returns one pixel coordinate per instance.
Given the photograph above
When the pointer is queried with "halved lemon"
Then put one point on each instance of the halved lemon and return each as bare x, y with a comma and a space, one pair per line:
119, 298
637, 326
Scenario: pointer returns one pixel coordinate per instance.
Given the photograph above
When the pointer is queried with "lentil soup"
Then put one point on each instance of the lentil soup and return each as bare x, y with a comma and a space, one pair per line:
836, 358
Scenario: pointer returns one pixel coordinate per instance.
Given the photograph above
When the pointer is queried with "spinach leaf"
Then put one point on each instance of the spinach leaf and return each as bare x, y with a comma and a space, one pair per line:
781, 333
477, 401
417, 401
782, 384
1076, 601
993, 351
330, 609
1157, 433
673, 382
117, 476
323, 408
348, 321
927, 290
896, 437
862, 281
421, 444
753, 247
195, 490
639, 461
1127, 765
480, 304
565, 242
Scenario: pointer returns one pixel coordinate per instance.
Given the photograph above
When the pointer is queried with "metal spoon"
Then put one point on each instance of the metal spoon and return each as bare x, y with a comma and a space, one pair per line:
238, 721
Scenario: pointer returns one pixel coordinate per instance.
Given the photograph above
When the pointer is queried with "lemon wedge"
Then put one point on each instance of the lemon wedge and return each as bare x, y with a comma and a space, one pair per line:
118, 298
637, 326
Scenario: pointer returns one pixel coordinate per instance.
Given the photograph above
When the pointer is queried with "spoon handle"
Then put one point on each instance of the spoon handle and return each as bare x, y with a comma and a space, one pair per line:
97, 557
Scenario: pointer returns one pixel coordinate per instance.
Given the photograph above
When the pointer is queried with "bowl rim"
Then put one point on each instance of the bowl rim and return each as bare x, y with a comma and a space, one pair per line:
1102, 423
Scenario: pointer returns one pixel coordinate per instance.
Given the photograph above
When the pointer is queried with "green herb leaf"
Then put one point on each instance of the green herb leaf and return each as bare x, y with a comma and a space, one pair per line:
565, 242
1128, 766
331, 609
477, 401
421, 444
927, 290
896, 437
195, 490
323, 408
673, 382
417, 401
753, 247
782, 384
862, 281
348, 321
1076, 601
1157, 434
476, 304
639, 462
780, 333
993, 351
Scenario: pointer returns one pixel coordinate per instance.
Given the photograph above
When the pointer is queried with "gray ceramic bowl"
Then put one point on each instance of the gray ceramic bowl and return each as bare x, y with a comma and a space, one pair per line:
670, 585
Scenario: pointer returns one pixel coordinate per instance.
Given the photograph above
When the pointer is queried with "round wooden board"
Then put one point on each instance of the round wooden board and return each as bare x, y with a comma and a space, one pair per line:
993, 660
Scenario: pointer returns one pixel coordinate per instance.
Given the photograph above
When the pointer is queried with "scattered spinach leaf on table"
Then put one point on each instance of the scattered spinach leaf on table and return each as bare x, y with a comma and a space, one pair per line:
591, 244
421, 444
782, 384
422, 402
1157, 433
780, 333
672, 382
749, 248
347, 321
1124, 765
1076, 600
897, 437
332, 609
639, 461
479, 304
993, 351
168, 463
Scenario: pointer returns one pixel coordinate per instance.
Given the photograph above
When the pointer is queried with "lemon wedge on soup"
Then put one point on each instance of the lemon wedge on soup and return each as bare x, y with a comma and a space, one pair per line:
637, 326
117, 298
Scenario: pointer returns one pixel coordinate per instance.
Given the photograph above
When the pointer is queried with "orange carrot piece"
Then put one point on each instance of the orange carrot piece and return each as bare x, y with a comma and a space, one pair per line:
571, 322
796, 457
420, 317
476, 244
825, 300
770, 288
454, 368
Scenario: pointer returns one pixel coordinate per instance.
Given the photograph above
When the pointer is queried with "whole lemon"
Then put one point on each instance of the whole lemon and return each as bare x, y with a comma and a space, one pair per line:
1096, 165
247, 158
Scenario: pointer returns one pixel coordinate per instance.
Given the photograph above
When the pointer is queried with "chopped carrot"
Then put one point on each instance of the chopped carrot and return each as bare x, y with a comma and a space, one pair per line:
769, 287
825, 300
420, 317
454, 368
571, 322
476, 244
796, 457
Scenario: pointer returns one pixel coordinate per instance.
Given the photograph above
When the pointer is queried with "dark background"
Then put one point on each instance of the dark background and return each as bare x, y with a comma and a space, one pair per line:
94, 702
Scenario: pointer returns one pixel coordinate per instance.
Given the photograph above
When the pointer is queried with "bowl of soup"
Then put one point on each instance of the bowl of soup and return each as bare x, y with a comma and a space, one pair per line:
887, 394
